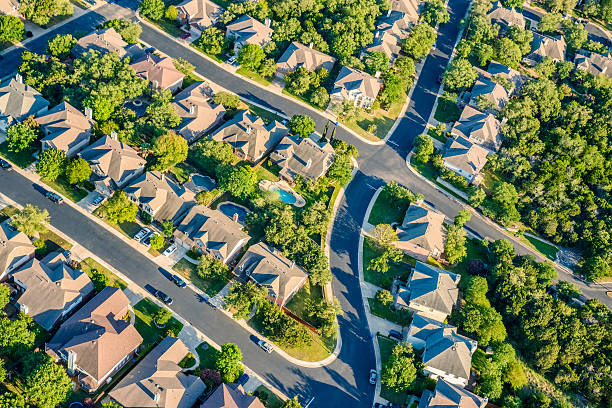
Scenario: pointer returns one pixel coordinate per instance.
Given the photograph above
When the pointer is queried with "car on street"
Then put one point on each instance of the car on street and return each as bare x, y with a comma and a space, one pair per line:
163, 297
373, 376
265, 346
5, 165
170, 250
178, 281
143, 233
396, 335
184, 36
56, 198
98, 200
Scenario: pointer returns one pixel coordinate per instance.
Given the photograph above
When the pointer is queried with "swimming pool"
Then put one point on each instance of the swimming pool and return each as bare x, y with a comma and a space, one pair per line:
230, 209
203, 182
285, 196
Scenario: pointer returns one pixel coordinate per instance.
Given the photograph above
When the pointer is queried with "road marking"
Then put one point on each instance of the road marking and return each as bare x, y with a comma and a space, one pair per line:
391, 142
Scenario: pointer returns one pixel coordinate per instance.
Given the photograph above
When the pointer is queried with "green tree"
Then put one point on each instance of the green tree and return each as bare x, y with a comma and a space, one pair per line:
508, 52
341, 170
384, 297
212, 41
229, 362
153, 9
42, 11
207, 197
168, 228
99, 280
162, 316
455, 245
15, 337
549, 23
315, 217
567, 290
77, 170
489, 384
505, 194
101, 106
301, 125
393, 90
462, 217
251, 56
240, 181
211, 268
128, 30
320, 97
161, 113
60, 45
228, 100
5, 297
50, 164
459, 74
171, 13
119, 208
434, 12
11, 29
574, 34
111, 404
157, 241
20, 136
46, 383
10, 400
299, 80
242, 297
399, 372
420, 41
476, 196
376, 61
423, 148
292, 403
383, 235
169, 149
267, 68
31, 220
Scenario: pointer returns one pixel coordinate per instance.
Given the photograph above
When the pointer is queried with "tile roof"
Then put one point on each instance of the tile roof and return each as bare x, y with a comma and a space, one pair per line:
422, 227
19, 101
205, 13
157, 70
480, 128
159, 374
431, 287
14, 245
594, 63
104, 41
302, 156
250, 31
197, 113
351, 79
465, 155
65, 126
51, 287
231, 396
506, 16
447, 395
298, 55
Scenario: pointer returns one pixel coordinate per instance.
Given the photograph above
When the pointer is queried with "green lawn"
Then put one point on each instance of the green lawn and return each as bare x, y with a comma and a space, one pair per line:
188, 361
383, 212
189, 271
400, 316
53, 243
207, 354
145, 309
550, 251
299, 98
427, 169
298, 301
264, 174
129, 228
61, 185
447, 111
182, 171
265, 114
386, 345
88, 265
253, 75
22, 159
191, 79
268, 398
7, 212
382, 119
172, 27
384, 280
435, 135
475, 250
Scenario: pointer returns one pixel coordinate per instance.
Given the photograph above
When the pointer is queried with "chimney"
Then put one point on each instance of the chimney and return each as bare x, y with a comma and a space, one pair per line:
376, 35
113, 135
388, 12
191, 109
23, 308
267, 22
71, 364
163, 177
310, 45
19, 78
249, 129
309, 163
88, 112
292, 265
156, 397
377, 74
235, 217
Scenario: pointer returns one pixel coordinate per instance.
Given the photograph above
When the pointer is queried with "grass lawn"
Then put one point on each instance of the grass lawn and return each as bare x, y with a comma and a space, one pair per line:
400, 316
550, 251
265, 114
7, 212
383, 280
188, 361
383, 212
264, 174
253, 75
53, 242
298, 301
189, 271
80, 3
299, 98
268, 398
447, 111
191, 79
88, 265
129, 229
435, 135
382, 119
475, 250
207, 354
172, 27
182, 171
427, 169
386, 347
145, 309
22, 159
61, 185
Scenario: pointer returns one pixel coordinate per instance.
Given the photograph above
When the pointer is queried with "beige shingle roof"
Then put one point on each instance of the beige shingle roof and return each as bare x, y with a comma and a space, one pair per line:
250, 31
506, 16
231, 396
14, 245
65, 126
18, 101
492, 91
351, 79
422, 227
410, 7
302, 156
447, 395
594, 63
197, 113
299, 55
544, 46
157, 70
465, 155
105, 40
205, 13
480, 128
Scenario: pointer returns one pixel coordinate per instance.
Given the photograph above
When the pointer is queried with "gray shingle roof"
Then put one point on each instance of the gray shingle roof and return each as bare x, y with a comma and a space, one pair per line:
18, 101
506, 16
14, 246
250, 31
302, 156
298, 55
463, 154
594, 63
351, 79
447, 395
431, 287
197, 113
231, 396
480, 128
422, 227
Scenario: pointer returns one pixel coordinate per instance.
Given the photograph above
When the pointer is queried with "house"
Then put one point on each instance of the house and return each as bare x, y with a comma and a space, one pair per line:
298, 55
249, 136
15, 249
506, 17
465, 158
247, 30
390, 31
160, 197
357, 86
231, 396
544, 46
430, 290
159, 71
448, 395
303, 157
268, 267
66, 128
489, 95
158, 380
97, 340
594, 63
479, 128
103, 41
199, 14
209, 231
198, 114
447, 355
50, 289
514, 77
10, 7
409, 7
113, 163
421, 234
18, 101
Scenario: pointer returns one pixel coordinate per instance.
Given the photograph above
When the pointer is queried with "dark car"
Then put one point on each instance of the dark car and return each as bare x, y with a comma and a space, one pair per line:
56, 198
5, 165
178, 281
163, 297
396, 335
244, 378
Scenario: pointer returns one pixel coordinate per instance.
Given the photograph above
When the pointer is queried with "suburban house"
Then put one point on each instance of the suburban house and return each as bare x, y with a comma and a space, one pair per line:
480, 128
158, 380
268, 267
231, 396
113, 163
160, 197
66, 128
497, 70
447, 395
15, 249
50, 289
247, 30
421, 234
198, 114
104, 41
297, 156
357, 86
544, 46
430, 290
447, 355
210, 231
409, 7
199, 14
465, 158
594, 63
299, 55
506, 17
97, 340
159, 71
489, 95
390, 31
249, 136
18, 101
10, 7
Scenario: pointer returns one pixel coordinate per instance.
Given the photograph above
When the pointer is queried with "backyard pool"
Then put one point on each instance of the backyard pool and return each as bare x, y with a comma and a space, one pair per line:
230, 209
285, 196
202, 183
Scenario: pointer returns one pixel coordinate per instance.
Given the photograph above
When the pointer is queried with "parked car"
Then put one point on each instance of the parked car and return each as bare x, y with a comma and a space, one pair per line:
265, 346
143, 233
170, 250
396, 335
244, 378
98, 200
56, 198
147, 240
373, 376
163, 297
184, 36
5, 165
178, 281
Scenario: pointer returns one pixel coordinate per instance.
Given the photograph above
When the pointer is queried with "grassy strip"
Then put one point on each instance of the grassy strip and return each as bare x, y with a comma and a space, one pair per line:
151, 334
253, 75
403, 317
190, 272
62, 186
299, 98
88, 265
550, 251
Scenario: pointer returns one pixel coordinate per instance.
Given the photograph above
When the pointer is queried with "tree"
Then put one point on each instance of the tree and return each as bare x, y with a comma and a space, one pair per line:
111, 404
77, 170
153, 9
10, 400
301, 125
50, 164
420, 41
292, 403
128, 30
489, 384
459, 74
549, 22
341, 170
99, 280
267, 69
320, 97
162, 316
424, 148
169, 149
384, 297
15, 337
513, 3
161, 113
240, 181
508, 52
20, 137
299, 81
31, 220
574, 34
476, 196
315, 217
171, 13
505, 194
5, 297
455, 245
11, 29
393, 90
462, 217
434, 13
211, 268
251, 56
42, 11
376, 61
383, 235
60, 45
212, 41
168, 228
229, 362
399, 372
228, 100
567, 290
119, 208
46, 383
242, 298
207, 197
157, 241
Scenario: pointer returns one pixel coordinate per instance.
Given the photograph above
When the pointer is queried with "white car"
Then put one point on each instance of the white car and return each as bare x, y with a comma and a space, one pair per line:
170, 250
265, 346
142, 234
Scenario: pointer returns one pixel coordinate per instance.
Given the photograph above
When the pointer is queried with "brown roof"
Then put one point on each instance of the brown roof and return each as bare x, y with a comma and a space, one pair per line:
447, 395
158, 376
492, 91
205, 13
97, 334
105, 40
506, 16
544, 46
197, 113
594, 63
422, 227
18, 100
65, 126
465, 155
160, 71
250, 31
480, 128
410, 7
231, 396
302, 156
351, 80
299, 55
14, 245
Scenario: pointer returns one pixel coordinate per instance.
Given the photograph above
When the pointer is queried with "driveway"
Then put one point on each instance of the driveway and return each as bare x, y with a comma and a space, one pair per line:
87, 202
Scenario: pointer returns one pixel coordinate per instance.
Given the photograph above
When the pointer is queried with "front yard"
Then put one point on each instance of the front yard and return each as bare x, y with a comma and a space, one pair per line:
22, 159
129, 229
382, 120
190, 272
62, 186
383, 280
447, 110
253, 75
89, 265
268, 398
53, 243
383, 212
208, 355
297, 304
401, 316
150, 332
